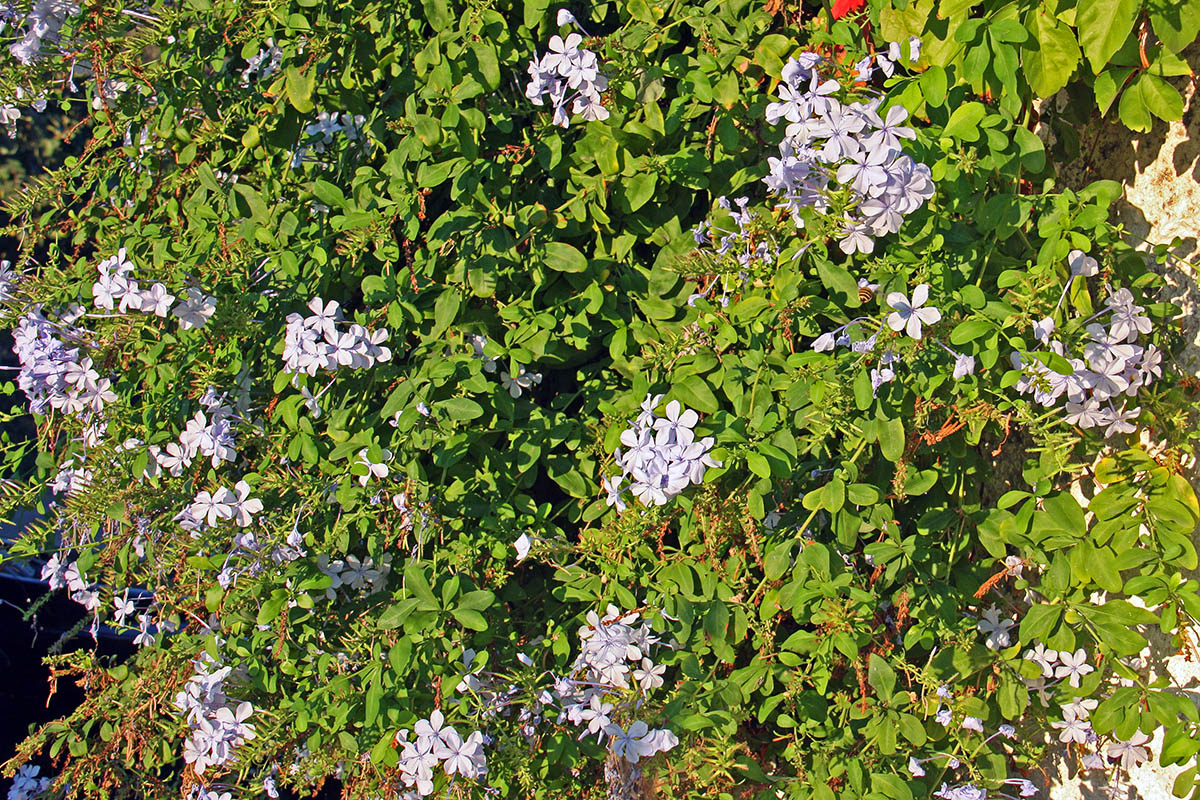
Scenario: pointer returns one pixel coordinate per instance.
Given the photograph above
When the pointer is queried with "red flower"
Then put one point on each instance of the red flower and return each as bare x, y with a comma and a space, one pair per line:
843, 7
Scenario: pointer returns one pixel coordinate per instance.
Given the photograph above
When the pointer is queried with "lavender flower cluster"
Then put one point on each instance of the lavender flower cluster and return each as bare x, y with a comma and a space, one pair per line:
831, 148
59, 573
664, 456
117, 290
209, 435
1114, 366
436, 744
569, 75
324, 130
52, 373
516, 385
262, 65
750, 249
1075, 727
612, 676
315, 342
217, 722
966, 790
42, 25
27, 785
610, 679
361, 576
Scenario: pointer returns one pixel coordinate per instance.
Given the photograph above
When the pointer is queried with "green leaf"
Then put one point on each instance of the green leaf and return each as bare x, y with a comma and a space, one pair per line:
1031, 149
881, 676
270, 609
395, 615
1050, 55
693, 392
778, 559
470, 618
639, 189
1160, 98
758, 465
445, 309
417, 584
299, 88
489, 67
438, 13
461, 408
1104, 25
1108, 84
838, 280
1176, 23
329, 194
964, 122
969, 330
891, 439
565, 258
254, 203
1039, 622
1132, 108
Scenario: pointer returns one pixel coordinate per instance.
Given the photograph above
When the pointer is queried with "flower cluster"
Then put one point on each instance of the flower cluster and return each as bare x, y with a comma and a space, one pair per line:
570, 76
845, 150
116, 289
262, 65
217, 722
614, 658
27, 785
515, 385
52, 373
361, 576
210, 508
886, 62
663, 457
436, 744
743, 243
1075, 727
315, 342
322, 132
909, 316
1114, 366
208, 435
43, 25
944, 716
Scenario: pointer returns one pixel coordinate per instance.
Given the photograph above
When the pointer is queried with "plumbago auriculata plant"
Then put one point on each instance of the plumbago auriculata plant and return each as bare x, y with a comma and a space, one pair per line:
706, 400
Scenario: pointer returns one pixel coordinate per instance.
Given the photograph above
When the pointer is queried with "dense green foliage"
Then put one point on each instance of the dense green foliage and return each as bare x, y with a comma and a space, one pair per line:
816, 590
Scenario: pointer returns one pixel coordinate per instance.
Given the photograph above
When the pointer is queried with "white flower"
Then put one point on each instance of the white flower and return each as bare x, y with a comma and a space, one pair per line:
627, 744
521, 545
1072, 728
824, 342
995, 628
1082, 264
242, 505
910, 316
1132, 752
374, 470
964, 365
1073, 666
157, 300
649, 675
1043, 329
1044, 658
124, 607
194, 311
